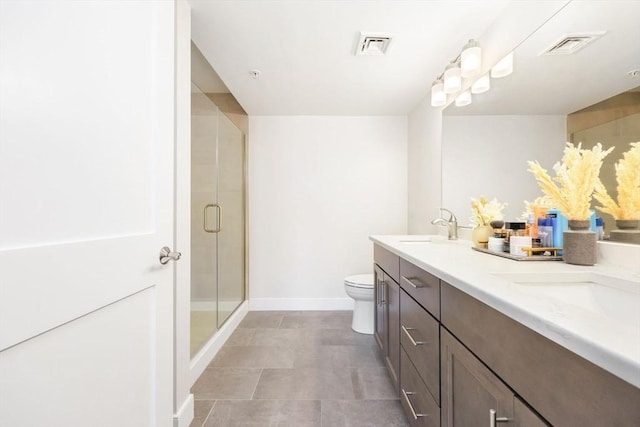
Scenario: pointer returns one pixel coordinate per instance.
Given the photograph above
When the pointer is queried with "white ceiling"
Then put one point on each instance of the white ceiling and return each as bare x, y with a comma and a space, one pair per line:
305, 51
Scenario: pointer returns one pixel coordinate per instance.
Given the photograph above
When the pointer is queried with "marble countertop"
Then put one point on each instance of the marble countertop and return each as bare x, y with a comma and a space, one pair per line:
581, 321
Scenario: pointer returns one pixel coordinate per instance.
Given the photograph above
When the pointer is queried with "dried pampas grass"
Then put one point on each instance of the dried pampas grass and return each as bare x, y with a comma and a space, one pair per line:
628, 177
576, 176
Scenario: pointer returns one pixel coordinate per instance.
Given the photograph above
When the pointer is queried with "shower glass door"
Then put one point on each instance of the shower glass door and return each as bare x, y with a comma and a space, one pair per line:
217, 218
231, 242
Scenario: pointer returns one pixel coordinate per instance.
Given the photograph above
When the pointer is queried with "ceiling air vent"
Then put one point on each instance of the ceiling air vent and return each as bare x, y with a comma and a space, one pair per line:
572, 43
373, 44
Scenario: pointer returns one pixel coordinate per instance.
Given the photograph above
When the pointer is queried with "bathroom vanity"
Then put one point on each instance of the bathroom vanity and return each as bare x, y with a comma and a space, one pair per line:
476, 340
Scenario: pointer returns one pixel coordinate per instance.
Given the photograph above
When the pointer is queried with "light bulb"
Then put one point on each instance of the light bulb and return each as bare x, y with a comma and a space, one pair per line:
481, 85
438, 97
470, 59
504, 67
463, 99
452, 78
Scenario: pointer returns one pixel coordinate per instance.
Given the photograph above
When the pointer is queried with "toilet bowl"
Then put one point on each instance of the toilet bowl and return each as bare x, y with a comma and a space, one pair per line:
360, 288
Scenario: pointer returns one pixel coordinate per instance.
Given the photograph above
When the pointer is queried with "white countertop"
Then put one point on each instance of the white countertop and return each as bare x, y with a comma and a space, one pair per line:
608, 342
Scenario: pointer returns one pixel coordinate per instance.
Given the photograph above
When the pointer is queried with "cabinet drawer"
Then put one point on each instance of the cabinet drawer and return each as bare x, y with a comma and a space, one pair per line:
417, 402
388, 261
420, 338
422, 286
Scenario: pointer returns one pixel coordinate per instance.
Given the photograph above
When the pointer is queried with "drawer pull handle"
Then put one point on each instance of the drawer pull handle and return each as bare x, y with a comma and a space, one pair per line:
383, 292
406, 395
417, 285
494, 419
414, 342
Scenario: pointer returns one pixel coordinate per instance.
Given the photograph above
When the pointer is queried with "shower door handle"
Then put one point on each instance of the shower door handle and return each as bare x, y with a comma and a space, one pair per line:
219, 222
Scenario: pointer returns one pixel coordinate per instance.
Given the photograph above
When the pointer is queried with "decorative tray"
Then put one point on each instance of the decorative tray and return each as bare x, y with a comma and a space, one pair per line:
520, 257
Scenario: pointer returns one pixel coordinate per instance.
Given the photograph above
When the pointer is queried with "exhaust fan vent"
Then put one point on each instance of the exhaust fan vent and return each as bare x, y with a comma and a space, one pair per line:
572, 43
373, 44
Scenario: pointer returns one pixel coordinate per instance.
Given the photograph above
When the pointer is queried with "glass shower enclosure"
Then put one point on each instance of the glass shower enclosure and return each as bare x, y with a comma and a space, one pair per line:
217, 218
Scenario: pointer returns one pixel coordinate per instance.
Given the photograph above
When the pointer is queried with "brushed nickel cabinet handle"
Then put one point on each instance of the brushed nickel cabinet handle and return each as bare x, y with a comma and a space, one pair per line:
412, 284
406, 395
494, 419
414, 342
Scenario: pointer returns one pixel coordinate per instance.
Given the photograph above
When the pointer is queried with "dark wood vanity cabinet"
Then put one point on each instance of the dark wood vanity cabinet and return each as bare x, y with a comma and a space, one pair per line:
387, 310
456, 360
564, 388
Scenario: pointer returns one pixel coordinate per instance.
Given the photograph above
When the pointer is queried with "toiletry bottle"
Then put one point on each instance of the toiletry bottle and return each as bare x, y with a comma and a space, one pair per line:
530, 230
592, 221
512, 229
545, 232
599, 228
560, 224
538, 212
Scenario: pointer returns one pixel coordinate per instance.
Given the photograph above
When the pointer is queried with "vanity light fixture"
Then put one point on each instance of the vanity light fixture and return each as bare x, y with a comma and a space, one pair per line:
452, 78
467, 65
438, 97
504, 67
481, 85
463, 99
470, 59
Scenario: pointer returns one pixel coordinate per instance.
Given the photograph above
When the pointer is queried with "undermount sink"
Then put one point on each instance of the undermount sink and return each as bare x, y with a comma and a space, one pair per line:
610, 296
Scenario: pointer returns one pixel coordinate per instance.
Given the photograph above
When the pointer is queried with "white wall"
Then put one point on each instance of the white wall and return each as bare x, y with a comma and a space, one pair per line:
487, 155
424, 167
319, 186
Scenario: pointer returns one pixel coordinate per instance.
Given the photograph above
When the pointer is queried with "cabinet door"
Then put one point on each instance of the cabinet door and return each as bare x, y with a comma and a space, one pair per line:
393, 324
470, 391
380, 330
525, 417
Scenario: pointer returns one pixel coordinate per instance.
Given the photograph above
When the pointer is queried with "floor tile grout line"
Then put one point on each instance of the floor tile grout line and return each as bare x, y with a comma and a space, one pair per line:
256, 386
209, 413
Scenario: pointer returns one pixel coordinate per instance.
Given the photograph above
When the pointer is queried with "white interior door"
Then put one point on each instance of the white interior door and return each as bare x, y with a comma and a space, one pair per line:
86, 203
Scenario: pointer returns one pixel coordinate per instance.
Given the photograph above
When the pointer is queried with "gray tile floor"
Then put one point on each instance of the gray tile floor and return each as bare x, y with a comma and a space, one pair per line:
297, 369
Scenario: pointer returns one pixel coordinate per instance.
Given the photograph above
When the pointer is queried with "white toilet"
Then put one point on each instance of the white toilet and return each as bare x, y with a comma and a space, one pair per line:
360, 288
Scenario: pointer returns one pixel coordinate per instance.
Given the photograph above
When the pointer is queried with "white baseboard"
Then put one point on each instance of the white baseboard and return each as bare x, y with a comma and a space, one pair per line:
184, 416
202, 359
212, 305
269, 304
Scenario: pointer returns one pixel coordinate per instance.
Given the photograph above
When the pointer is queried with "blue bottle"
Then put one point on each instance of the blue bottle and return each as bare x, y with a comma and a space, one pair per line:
560, 224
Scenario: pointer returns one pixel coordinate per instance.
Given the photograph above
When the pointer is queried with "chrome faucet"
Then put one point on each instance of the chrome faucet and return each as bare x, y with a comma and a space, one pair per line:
451, 224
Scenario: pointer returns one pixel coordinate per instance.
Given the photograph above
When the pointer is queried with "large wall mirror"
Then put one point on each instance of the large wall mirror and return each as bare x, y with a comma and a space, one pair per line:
528, 115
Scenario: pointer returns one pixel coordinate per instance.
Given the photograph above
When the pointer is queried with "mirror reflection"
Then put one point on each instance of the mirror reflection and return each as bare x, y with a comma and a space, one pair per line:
590, 95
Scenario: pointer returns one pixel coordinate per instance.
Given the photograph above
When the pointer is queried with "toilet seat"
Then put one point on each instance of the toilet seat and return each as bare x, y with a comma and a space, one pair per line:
359, 281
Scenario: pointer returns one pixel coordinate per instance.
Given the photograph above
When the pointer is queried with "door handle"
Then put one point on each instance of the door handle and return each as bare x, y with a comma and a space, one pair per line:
166, 255
205, 225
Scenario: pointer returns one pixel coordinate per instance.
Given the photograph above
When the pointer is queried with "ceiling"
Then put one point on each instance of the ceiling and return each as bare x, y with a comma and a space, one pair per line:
564, 84
304, 50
